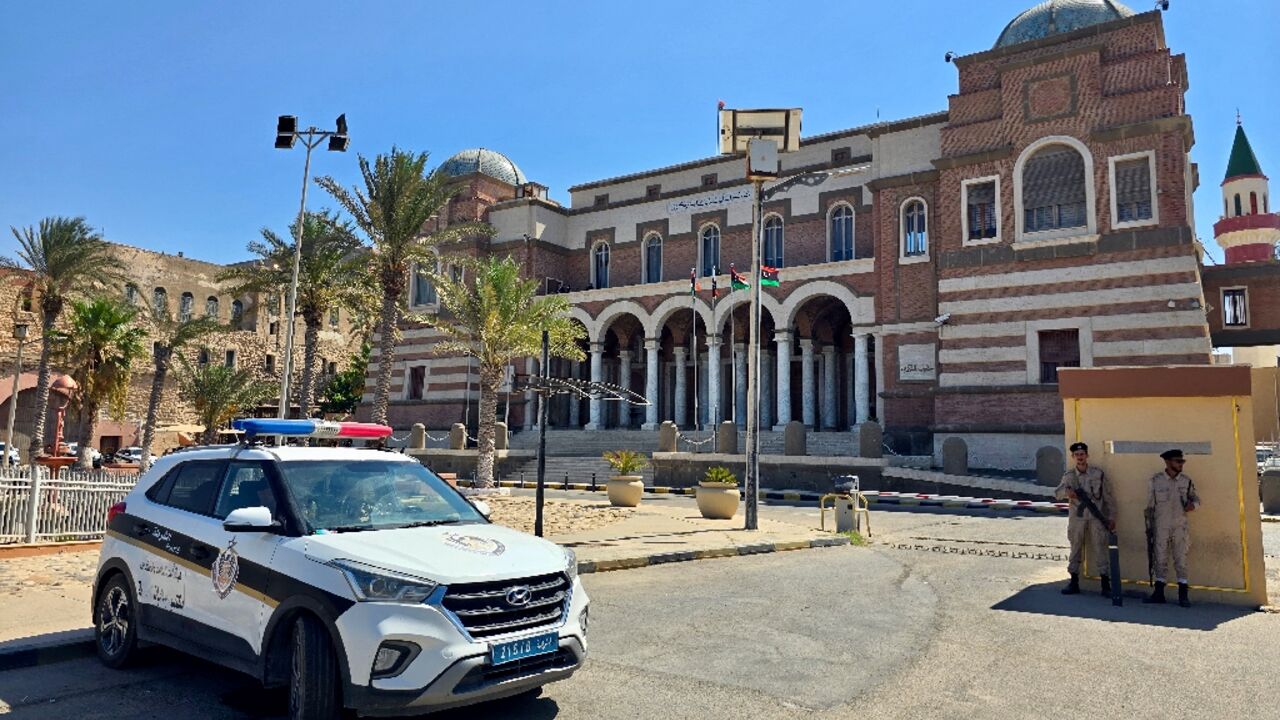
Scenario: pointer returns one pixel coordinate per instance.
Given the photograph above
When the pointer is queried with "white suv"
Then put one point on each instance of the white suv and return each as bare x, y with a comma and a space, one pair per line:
356, 577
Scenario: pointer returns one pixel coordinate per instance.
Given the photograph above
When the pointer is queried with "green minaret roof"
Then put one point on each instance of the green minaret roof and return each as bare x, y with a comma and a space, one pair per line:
1243, 161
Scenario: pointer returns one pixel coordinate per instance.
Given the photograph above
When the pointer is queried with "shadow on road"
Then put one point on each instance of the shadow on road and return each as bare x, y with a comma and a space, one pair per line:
1046, 599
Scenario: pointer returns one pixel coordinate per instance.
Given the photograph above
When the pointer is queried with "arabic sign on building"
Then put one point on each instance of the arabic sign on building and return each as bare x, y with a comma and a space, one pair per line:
728, 197
917, 362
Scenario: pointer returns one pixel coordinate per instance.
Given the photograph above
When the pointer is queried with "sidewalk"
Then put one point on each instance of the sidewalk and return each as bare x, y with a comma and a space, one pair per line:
46, 598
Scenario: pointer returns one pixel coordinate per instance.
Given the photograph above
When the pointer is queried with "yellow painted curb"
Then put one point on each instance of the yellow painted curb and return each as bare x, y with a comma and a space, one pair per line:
715, 553
791, 545
621, 564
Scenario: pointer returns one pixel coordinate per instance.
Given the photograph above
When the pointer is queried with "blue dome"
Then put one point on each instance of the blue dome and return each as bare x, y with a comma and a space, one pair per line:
1059, 16
494, 164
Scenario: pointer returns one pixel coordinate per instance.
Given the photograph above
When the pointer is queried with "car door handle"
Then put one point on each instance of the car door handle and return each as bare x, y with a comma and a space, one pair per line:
199, 552
141, 529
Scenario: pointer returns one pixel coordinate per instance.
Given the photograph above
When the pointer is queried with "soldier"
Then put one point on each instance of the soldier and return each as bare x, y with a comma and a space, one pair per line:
1082, 478
1171, 496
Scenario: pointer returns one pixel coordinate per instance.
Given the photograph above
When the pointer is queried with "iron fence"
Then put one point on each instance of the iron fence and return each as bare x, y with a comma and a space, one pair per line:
36, 507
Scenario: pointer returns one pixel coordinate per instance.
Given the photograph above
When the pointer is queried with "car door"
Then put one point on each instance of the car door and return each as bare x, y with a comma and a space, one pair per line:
235, 599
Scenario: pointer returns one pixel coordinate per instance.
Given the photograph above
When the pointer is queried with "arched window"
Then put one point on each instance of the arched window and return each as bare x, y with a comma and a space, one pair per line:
333, 318
423, 291
772, 250
211, 307
186, 306
841, 232
1238, 210
1253, 203
653, 258
160, 300
600, 265
1224, 207
27, 298
202, 357
1053, 190
915, 229
237, 312
131, 294
273, 305
709, 249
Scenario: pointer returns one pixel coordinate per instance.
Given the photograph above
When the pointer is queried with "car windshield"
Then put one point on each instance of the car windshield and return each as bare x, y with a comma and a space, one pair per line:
346, 495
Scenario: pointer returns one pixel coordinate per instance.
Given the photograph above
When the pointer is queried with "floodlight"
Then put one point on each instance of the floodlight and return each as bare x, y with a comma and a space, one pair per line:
286, 131
782, 126
339, 142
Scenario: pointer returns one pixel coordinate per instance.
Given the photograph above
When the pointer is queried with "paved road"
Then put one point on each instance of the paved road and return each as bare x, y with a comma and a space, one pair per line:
874, 632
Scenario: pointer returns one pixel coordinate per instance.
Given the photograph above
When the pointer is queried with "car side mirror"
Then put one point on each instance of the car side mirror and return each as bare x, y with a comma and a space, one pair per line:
251, 519
483, 508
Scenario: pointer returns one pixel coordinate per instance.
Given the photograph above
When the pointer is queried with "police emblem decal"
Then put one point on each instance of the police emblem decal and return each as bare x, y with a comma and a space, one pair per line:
225, 570
471, 543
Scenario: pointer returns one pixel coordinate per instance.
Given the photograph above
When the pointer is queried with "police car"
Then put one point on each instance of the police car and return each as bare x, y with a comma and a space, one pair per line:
355, 577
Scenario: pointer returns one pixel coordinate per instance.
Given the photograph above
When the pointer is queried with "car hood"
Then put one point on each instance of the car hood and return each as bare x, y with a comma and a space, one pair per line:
446, 553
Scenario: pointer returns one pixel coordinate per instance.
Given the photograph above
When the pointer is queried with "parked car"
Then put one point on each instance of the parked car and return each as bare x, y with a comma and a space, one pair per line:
131, 454
11, 455
356, 577
73, 448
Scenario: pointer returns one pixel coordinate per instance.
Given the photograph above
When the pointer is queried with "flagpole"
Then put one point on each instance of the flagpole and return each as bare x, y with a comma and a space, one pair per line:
693, 323
751, 481
733, 354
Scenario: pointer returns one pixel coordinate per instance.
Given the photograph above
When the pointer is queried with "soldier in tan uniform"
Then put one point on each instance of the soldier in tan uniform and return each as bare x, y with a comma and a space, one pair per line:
1081, 523
1170, 497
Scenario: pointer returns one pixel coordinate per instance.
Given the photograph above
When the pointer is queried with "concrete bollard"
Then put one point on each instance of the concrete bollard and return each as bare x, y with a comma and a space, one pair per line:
1049, 466
499, 436
458, 437
955, 456
870, 440
794, 440
418, 437
1271, 491
727, 438
667, 437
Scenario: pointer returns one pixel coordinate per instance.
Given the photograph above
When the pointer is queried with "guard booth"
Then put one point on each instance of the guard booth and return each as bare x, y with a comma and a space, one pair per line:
1128, 416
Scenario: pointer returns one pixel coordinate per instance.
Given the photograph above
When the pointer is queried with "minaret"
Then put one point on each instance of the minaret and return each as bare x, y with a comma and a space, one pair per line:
1248, 230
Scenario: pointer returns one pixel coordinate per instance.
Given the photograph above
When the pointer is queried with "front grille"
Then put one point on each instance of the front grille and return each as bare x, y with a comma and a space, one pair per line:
486, 675
483, 609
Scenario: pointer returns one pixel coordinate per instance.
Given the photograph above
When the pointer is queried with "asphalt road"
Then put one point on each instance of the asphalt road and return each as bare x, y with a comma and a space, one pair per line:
886, 631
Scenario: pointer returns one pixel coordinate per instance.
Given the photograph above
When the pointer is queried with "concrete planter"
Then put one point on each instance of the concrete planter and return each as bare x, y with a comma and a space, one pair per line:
625, 490
718, 501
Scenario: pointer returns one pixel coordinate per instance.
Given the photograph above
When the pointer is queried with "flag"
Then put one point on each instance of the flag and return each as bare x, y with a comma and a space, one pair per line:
768, 276
714, 291
694, 286
737, 281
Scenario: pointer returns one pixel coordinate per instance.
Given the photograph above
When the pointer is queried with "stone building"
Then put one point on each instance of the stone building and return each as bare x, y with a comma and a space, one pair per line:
934, 276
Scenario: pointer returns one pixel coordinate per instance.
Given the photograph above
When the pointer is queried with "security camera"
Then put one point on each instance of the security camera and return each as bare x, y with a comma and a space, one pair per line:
1162, 4
943, 318
952, 56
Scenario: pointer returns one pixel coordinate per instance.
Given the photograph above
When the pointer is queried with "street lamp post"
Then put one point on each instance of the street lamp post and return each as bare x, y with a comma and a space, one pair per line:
19, 334
287, 133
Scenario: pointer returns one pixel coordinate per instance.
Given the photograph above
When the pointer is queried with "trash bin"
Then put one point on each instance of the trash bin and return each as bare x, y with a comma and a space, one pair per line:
1270, 482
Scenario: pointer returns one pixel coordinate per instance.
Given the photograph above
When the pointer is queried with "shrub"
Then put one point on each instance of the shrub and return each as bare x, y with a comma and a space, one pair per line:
625, 462
721, 476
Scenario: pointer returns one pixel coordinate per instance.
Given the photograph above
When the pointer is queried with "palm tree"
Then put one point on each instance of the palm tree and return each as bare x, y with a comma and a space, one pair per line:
333, 275
398, 199
219, 393
67, 258
100, 349
496, 318
170, 336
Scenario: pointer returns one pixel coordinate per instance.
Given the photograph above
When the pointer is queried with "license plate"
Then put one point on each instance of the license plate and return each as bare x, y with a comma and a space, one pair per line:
512, 650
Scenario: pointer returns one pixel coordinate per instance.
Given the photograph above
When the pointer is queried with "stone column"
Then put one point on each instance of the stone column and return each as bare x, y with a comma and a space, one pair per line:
530, 400
767, 392
597, 375
624, 380
808, 404
682, 373
740, 383
575, 411
830, 385
651, 384
714, 411
782, 338
850, 396
862, 393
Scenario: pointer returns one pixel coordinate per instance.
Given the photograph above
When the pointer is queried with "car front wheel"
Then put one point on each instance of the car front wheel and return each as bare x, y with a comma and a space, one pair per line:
313, 677
115, 631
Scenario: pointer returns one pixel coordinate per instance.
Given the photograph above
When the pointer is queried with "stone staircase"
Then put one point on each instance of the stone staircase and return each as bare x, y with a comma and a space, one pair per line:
593, 443
578, 470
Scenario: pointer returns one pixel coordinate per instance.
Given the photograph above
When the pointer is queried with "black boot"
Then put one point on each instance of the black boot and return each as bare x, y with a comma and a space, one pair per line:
1183, 600
1073, 587
1157, 595
1106, 586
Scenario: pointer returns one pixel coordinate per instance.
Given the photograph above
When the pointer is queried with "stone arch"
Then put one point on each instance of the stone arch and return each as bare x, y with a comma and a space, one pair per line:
861, 309
612, 312
577, 313
658, 318
739, 298
1091, 210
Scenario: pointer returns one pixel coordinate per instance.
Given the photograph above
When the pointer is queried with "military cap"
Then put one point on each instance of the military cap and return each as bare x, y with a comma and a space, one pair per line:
1174, 454
1079, 446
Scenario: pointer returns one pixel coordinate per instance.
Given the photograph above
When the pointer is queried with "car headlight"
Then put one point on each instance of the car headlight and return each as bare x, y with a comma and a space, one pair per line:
572, 559
374, 584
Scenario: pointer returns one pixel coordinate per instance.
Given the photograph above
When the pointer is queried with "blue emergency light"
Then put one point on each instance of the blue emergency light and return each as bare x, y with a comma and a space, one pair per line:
310, 428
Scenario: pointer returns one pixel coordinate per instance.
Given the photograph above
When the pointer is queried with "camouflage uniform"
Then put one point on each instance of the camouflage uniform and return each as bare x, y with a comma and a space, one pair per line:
1081, 522
1169, 497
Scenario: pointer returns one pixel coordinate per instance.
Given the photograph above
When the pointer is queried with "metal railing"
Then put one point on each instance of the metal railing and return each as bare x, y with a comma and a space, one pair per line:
36, 507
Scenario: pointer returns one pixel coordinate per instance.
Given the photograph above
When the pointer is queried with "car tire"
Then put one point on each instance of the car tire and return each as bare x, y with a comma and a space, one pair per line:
115, 627
313, 674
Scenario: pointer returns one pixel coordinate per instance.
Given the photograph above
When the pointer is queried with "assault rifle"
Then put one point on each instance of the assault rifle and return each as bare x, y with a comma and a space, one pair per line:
1113, 543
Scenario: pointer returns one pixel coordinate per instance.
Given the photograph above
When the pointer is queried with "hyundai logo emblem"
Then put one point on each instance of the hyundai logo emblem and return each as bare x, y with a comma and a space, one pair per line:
519, 595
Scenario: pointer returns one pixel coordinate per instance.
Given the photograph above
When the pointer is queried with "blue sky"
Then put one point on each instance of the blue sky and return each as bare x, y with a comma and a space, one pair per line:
155, 119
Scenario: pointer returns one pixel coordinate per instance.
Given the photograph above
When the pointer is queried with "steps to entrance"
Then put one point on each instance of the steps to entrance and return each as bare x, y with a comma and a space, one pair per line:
586, 443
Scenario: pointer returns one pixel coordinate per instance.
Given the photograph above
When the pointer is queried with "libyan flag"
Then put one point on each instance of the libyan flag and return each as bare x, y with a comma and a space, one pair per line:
768, 276
736, 280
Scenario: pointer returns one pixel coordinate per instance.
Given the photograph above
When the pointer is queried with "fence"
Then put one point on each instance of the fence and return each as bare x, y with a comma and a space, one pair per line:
36, 507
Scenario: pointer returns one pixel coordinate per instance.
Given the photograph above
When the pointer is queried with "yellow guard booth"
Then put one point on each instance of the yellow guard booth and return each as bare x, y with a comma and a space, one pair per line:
1128, 416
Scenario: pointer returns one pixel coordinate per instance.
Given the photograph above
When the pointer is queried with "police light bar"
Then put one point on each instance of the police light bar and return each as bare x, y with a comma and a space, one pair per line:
310, 428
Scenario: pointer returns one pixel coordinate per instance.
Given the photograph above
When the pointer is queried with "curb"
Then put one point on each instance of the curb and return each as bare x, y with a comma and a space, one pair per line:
872, 496
72, 645
598, 566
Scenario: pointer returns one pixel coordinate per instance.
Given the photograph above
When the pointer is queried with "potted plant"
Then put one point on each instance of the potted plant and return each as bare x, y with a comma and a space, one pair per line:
718, 494
626, 486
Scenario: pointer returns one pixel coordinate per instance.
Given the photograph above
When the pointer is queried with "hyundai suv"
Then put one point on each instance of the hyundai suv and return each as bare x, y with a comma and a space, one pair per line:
356, 577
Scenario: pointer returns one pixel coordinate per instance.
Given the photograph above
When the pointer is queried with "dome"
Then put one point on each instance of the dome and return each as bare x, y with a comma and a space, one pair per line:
494, 164
1059, 16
